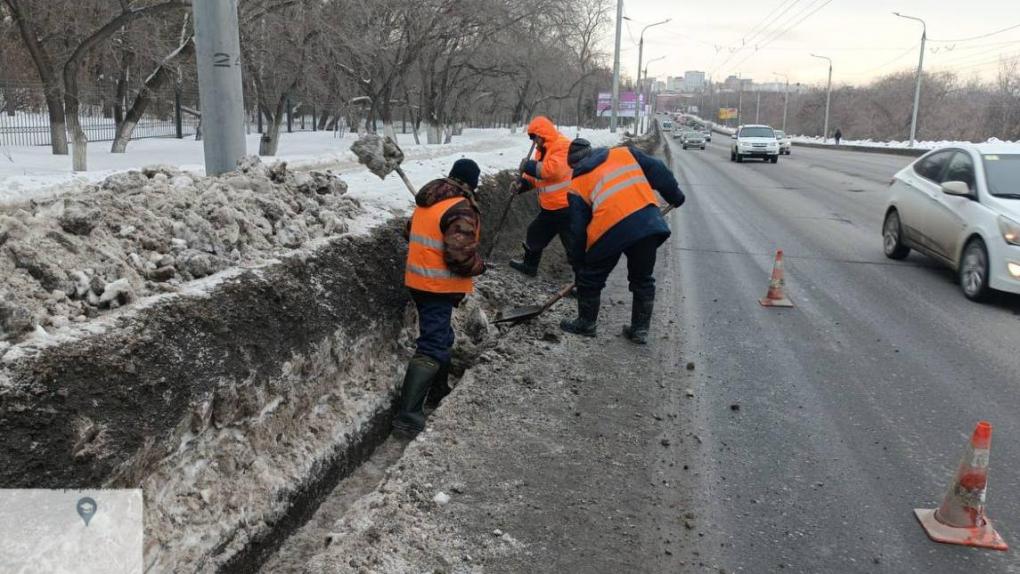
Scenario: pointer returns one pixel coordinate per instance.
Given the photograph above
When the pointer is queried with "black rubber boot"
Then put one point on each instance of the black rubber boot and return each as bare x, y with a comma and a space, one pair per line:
440, 386
420, 371
528, 265
587, 317
640, 320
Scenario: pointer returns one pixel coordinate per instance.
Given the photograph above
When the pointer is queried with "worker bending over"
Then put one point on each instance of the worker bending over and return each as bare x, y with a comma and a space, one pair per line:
550, 175
442, 258
614, 212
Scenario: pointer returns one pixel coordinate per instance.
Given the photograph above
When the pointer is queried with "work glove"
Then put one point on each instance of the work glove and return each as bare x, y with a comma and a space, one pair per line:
524, 163
522, 186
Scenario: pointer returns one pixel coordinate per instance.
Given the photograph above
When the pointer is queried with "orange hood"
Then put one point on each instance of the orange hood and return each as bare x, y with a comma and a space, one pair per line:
543, 127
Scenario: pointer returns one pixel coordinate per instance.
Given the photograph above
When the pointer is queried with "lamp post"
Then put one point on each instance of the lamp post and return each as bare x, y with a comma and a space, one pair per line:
828, 97
786, 97
640, 53
218, 51
615, 105
640, 90
920, 67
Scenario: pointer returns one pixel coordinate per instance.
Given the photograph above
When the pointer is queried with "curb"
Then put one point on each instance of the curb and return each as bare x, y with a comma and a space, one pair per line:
909, 152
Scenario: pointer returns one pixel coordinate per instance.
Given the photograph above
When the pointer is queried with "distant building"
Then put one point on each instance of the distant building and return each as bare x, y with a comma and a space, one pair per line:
694, 80
732, 83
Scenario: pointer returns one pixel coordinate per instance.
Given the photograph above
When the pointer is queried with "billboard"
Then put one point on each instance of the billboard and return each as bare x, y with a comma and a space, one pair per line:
628, 104
727, 113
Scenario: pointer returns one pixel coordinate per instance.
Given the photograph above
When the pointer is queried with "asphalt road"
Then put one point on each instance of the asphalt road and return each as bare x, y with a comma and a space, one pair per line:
820, 428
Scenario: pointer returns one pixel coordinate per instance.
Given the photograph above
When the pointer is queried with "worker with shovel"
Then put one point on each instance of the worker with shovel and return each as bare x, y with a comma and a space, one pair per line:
442, 257
549, 174
614, 212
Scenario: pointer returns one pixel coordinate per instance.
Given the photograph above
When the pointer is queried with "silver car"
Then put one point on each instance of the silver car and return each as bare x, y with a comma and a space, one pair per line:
692, 138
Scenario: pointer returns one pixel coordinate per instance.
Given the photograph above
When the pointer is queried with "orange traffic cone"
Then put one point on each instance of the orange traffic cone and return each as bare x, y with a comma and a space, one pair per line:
961, 518
776, 296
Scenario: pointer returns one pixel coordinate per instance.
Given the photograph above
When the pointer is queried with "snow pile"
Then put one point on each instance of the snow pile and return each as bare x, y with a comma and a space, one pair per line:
146, 232
893, 143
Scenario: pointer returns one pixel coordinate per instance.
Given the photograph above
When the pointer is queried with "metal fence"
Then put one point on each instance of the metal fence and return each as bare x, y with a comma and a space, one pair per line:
25, 120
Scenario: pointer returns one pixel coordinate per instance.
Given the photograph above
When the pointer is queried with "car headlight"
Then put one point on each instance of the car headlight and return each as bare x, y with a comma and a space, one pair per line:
1010, 230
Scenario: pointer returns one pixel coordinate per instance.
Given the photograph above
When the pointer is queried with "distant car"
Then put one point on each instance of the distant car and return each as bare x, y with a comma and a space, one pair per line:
707, 133
960, 205
692, 138
755, 141
785, 143
667, 126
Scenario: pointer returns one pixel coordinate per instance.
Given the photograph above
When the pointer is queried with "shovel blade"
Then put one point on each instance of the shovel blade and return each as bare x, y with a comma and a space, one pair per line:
519, 314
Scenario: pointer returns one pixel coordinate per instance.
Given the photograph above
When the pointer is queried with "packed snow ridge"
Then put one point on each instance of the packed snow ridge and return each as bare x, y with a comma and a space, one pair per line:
140, 233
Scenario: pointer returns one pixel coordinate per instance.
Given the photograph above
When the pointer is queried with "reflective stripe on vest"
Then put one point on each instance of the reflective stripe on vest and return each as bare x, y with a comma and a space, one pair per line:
552, 195
614, 190
426, 269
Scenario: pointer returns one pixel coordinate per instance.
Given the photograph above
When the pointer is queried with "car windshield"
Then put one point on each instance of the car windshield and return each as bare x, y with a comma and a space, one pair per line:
1003, 175
757, 133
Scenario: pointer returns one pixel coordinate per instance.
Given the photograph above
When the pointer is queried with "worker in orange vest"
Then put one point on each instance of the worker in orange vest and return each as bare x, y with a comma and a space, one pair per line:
549, 174
442, 257
614, 211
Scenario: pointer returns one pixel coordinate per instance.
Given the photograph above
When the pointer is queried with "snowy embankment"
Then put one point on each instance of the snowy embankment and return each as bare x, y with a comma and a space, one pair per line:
893, 144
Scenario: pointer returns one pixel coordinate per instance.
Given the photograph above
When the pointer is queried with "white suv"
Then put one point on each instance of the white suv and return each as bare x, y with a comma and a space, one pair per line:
755, 141
961, 206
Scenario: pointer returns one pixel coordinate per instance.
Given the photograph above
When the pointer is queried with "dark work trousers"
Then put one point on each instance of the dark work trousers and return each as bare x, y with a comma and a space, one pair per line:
435, 333
591, 278
549, 224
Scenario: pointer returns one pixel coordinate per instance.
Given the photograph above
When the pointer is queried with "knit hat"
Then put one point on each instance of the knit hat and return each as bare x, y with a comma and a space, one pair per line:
466, 171
579, 149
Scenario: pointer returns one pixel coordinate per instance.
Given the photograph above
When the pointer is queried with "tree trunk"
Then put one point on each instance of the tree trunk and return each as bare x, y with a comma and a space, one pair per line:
155, 82
433, 133
270, 142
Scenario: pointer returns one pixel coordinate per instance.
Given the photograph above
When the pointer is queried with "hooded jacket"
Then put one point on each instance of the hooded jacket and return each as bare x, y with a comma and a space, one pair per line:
550, 168
459, 225
643, 223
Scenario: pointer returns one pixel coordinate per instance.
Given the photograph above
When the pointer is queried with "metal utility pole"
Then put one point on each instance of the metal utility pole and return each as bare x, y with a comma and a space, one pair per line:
640, 53
218, 49
920, 67
616, 69
786, 97
828, 97
757, 106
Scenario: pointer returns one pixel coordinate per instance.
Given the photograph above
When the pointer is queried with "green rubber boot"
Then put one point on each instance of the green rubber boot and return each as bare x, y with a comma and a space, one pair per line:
587, 317
640, 320
410, 420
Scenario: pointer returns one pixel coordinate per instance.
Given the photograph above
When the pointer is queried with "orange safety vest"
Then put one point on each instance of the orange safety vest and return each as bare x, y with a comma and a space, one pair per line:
426, 270
613, 190
552, 191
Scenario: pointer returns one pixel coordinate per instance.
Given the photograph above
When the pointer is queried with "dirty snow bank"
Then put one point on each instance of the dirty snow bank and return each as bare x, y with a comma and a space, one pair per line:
892, 143
147, 232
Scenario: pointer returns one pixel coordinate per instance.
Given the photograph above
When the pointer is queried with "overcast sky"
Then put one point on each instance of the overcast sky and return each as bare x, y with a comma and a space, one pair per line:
863, 38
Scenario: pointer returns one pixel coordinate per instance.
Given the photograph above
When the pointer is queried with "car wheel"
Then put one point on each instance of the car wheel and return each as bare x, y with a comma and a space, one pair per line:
740, 158
775, 159
733, 156
974, 270
892, 237
685, 148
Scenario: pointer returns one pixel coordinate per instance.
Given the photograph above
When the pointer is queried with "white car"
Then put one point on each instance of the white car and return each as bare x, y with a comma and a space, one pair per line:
666, 125
755, 141
785, 143
961, 206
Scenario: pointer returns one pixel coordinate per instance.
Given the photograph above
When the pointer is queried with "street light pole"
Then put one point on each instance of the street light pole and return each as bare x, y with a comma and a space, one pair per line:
615, 106
828, 97
920, 67
218, 50
641, 90
640, 53
786, 97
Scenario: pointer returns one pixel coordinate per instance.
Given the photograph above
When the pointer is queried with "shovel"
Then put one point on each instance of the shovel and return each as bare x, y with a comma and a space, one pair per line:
381, 155
506, 212
519, 315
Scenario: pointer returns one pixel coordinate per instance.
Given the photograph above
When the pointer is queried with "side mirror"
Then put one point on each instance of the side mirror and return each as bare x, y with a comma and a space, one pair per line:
956, 188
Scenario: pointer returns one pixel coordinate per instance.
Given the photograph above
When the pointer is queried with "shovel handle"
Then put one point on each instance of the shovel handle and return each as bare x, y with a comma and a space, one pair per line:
506, 212
559, 295
407, 182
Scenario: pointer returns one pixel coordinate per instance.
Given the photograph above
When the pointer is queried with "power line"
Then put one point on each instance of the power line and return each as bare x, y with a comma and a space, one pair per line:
783, 32
1013, 27
736, 50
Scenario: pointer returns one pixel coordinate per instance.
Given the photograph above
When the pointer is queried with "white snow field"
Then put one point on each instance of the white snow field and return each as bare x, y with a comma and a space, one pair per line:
33, 173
